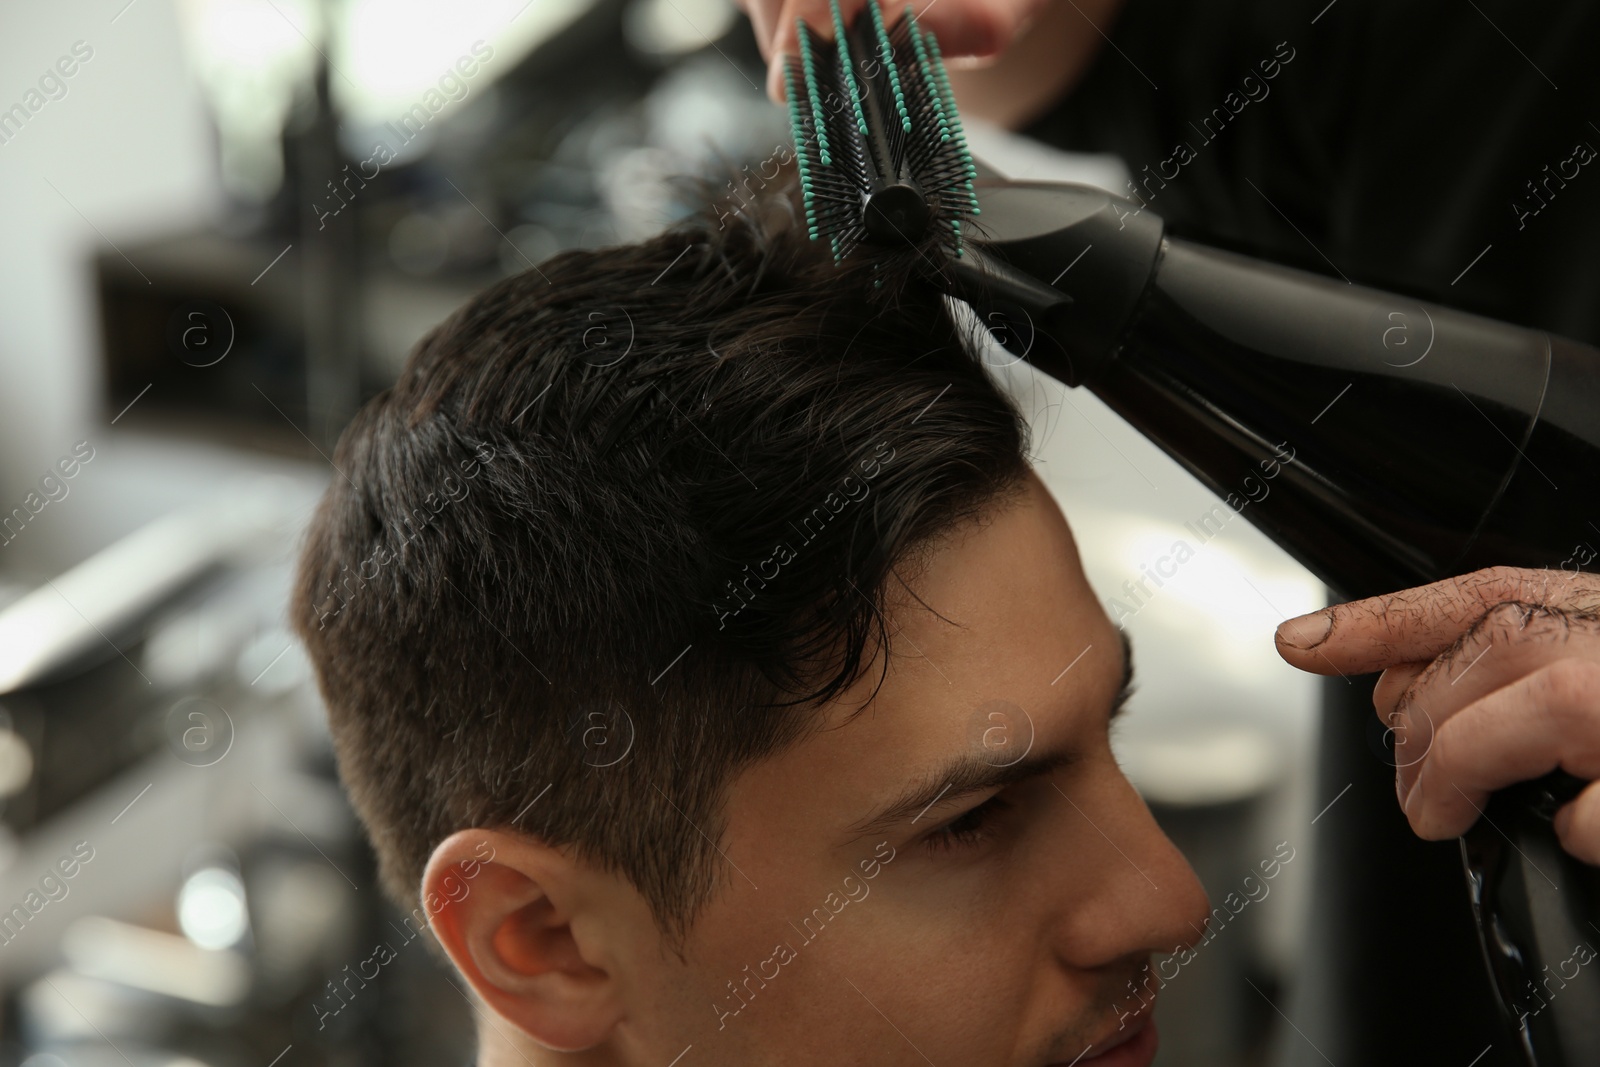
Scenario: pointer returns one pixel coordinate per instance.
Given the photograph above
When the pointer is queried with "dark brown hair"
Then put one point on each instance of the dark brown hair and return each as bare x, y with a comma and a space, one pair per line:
622, 523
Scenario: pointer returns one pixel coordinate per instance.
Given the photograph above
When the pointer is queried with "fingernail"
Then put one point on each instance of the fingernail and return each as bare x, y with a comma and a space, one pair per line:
1306, 631
1413, 801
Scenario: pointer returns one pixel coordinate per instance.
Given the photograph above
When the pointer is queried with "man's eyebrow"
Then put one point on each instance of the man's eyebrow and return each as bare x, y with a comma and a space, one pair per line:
968, 773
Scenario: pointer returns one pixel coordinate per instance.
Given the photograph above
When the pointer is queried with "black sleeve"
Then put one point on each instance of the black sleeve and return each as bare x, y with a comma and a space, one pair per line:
1436, 148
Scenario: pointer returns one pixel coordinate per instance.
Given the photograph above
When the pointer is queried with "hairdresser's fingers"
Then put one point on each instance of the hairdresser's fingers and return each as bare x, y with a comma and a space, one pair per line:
1509, 641
1393, 682
1421, 622
1544, 720
1410, 742
979, 29
785, 35
1577, 824
772, 23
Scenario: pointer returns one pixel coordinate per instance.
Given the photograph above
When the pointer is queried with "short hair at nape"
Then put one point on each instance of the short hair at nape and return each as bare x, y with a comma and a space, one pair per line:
623, 523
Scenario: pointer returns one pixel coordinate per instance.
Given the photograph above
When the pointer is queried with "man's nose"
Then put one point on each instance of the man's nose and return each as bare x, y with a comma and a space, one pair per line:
1145, 897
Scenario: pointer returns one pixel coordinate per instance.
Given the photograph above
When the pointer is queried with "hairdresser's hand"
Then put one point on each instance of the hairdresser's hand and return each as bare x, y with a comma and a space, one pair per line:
1488, 679
971, 29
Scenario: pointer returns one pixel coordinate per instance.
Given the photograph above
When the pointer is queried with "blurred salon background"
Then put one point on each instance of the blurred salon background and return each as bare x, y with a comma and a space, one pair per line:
227, 222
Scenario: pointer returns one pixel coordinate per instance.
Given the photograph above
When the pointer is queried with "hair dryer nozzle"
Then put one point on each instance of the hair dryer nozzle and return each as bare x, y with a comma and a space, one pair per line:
1099, 250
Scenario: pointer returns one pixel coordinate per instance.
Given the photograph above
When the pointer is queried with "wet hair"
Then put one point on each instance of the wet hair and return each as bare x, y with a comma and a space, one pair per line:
623, 524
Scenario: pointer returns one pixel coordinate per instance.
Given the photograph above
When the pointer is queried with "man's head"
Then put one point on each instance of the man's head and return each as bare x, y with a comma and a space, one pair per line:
699, 646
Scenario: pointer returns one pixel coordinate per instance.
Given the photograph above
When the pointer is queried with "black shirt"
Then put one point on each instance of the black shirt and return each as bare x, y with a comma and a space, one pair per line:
1445, 150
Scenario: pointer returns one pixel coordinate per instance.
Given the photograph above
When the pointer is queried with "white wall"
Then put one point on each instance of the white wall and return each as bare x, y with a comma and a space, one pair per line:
129, 149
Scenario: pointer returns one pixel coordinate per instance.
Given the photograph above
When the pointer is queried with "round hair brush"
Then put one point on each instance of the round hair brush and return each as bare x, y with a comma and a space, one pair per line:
878, 142
1370, 406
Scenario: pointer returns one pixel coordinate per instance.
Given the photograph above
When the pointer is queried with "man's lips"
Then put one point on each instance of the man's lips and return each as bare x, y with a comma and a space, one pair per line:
1122, 1036
1127, 1030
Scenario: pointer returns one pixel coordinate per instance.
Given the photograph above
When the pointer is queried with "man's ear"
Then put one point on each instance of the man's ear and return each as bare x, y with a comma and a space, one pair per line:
501, 905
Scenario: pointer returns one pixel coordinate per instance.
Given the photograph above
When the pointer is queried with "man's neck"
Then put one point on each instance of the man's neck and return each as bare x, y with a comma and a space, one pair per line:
501, 1044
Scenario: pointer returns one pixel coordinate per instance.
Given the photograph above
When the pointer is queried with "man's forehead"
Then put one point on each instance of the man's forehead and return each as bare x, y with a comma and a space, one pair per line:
1002, 623
1004, 744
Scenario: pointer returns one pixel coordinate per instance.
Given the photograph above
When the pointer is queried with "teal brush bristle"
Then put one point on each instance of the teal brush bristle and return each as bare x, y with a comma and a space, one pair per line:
959, 136
886, 53
847, 67
874, 107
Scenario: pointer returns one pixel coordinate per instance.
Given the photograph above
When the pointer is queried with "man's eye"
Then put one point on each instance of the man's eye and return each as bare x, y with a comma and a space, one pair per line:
969, 829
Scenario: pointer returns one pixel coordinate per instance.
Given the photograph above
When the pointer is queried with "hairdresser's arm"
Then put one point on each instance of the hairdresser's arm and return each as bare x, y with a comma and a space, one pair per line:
1488, 679
1009, 60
